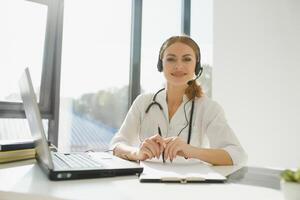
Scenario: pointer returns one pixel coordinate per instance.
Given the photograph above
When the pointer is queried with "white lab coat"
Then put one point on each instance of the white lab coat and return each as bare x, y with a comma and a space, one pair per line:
209, 128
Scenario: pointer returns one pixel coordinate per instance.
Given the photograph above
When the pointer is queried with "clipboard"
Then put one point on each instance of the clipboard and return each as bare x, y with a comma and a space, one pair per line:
179, 171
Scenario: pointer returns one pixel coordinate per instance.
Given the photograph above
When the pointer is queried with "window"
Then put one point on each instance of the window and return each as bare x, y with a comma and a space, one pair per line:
95, 72
22, 45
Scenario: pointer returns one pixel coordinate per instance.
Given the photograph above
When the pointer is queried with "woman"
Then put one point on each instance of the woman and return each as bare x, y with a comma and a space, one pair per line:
178, 120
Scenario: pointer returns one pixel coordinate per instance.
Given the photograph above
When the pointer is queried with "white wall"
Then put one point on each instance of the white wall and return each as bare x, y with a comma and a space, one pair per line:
256, 76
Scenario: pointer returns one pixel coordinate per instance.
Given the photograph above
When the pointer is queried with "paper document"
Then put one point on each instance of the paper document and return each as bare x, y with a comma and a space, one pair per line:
180, 170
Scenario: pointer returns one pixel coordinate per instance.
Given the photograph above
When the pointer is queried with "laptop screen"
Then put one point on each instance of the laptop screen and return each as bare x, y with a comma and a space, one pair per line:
34, 119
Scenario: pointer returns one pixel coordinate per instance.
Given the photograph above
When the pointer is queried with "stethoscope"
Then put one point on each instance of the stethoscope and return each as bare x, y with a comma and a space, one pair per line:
154, 102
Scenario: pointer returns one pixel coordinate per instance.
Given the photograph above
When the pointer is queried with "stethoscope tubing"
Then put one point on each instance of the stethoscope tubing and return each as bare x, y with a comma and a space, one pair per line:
154, 102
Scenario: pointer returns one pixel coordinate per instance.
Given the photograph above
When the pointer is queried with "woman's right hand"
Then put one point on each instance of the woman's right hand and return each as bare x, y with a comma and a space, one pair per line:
151, 147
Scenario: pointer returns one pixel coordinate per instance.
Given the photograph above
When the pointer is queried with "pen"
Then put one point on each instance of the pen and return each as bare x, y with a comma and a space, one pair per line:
163, 153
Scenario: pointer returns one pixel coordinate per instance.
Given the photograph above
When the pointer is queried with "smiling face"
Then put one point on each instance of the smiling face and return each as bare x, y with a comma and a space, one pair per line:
179, 62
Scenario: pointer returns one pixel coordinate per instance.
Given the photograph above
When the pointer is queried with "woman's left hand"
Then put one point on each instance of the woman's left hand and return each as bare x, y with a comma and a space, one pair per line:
175, 146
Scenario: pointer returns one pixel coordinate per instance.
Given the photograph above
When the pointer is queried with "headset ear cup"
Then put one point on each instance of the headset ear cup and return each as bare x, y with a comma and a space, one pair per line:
159, 65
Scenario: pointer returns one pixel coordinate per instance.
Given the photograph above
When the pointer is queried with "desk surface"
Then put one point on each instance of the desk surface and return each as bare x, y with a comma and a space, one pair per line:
245, 183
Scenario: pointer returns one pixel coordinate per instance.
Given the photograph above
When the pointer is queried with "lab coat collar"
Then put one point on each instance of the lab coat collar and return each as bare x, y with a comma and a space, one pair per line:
162, 96
162, 99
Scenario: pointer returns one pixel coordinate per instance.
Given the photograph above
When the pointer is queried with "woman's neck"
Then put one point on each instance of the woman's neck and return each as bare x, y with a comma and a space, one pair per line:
174, 98
175, 94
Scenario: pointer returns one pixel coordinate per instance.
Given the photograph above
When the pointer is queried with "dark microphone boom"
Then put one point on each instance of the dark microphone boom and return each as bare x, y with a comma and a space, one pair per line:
191, 81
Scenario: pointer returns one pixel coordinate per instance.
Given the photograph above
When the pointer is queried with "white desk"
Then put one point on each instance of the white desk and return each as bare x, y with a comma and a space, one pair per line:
27, 178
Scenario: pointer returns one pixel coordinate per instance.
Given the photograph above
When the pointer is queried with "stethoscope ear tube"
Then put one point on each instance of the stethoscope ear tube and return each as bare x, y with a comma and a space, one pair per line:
153, 103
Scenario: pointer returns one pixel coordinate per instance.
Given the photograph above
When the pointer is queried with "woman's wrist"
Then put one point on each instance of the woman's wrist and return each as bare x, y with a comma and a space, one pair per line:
188, 152
133, 155
126, 152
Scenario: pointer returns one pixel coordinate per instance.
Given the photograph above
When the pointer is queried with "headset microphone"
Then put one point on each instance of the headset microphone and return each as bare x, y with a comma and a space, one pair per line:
199, 74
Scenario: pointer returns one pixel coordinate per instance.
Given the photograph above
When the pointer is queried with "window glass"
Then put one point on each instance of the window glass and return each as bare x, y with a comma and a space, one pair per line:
23, 26
95, 72
156, 29
202, 32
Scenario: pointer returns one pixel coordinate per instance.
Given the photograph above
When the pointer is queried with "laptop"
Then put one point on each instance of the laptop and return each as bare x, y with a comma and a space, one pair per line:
64, 166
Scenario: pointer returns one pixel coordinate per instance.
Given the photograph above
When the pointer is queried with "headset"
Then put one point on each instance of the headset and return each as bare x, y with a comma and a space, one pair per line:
198, 72
198, 68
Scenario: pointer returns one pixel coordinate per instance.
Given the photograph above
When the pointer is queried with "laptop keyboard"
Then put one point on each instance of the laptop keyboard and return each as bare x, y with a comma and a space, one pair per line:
65, 161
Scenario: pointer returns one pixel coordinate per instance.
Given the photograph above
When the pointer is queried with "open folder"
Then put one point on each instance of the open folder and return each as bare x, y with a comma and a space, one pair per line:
180, 170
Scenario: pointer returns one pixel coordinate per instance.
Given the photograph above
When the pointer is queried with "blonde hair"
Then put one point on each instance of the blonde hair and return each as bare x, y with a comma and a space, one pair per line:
194, 89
